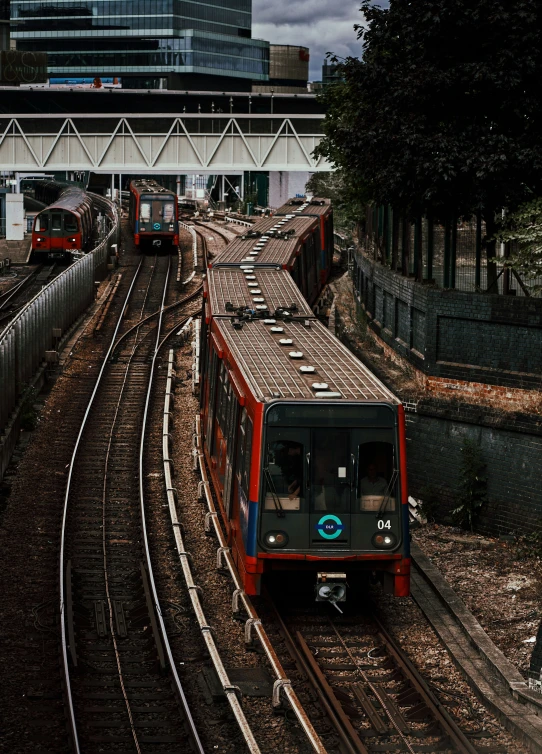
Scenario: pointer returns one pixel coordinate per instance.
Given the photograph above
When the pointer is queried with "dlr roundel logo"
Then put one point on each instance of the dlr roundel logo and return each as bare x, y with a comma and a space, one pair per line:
330, 527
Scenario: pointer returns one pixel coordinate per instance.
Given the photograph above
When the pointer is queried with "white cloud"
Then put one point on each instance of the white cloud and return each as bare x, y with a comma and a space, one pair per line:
321, 26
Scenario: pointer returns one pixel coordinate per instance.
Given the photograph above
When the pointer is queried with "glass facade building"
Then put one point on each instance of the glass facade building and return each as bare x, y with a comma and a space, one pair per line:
4, 24
185, 42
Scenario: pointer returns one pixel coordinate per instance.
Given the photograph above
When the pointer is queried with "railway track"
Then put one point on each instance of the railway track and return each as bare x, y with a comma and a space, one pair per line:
374, 699
12, 300
352, 687
122, 689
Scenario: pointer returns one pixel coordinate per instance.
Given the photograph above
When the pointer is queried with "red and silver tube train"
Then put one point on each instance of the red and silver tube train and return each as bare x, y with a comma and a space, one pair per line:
154, 215
305, 446
64, 228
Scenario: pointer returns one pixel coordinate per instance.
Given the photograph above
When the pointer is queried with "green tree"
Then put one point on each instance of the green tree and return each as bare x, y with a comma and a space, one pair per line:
473, 485
348, 199
524, 228
443, 113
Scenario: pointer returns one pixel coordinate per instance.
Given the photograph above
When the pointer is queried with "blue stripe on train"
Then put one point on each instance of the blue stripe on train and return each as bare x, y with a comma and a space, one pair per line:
250, 542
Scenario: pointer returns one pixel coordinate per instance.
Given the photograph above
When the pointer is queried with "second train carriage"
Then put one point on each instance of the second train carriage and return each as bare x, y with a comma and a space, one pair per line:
154, 215
291, 243
320, 208
305, 446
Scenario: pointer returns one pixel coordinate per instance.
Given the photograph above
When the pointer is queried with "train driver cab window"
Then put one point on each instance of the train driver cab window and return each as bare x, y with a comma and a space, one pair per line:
56, 221
42, 223
169, 212
145, 212
70, 223
377, 477
284, 475
330, 470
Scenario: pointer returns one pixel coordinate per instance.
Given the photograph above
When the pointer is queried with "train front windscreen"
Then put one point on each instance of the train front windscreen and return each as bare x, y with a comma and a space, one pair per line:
157, 214
331, 480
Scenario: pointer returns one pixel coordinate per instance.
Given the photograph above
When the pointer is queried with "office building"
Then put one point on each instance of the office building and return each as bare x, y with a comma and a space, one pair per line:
288, 70
151, 44
4, 24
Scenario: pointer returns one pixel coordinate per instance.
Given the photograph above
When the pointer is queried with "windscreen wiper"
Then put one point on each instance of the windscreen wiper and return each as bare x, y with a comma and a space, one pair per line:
276, 498
387, 494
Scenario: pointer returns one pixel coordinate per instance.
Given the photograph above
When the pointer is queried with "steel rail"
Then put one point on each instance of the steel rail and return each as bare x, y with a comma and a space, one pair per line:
230, 690
253, 623
6, 296
143, 437
460, 741
65, 665
104, 523
175, 304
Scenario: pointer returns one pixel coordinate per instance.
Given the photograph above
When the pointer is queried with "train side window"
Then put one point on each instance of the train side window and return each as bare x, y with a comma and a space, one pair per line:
247, 456
377, 477
56, 221
42, 223
241, 447
211, 400
284, 475
70, 223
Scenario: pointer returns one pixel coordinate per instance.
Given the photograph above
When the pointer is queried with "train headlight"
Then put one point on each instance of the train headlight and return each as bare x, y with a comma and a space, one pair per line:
276, 539
71, 240
384, 541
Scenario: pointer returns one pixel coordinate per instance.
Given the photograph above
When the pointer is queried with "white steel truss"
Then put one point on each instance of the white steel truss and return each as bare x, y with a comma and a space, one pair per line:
188, 142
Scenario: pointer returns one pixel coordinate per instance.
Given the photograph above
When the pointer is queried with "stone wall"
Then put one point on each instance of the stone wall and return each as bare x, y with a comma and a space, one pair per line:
511, 447
505, 422
451, 335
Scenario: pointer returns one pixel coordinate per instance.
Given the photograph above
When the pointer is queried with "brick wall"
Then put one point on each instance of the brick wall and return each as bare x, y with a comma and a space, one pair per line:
490, 339
511, 447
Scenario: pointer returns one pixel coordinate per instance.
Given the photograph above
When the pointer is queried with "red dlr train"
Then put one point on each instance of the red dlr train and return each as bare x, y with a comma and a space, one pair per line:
305, 446
154, 215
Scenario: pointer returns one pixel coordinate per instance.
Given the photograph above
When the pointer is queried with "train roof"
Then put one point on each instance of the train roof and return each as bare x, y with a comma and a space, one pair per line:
71, 200
283, 370
232, 288
314, 207
150, 186
271, 241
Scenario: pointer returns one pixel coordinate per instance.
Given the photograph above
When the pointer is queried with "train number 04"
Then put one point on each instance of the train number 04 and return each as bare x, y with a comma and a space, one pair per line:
384, 524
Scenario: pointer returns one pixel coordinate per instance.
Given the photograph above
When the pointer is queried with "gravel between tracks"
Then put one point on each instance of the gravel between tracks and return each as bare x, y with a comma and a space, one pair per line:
500, 589
406, 622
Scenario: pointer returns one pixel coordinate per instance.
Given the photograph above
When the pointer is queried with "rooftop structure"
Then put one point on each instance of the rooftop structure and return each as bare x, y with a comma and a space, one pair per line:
288, 70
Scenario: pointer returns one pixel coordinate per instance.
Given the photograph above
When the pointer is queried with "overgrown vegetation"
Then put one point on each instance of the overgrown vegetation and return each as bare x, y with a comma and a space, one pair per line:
473, 486
523, 228
29, 415
529, 545
430, 502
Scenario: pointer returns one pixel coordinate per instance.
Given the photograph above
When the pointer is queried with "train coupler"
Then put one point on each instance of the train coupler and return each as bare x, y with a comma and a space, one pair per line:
331, 587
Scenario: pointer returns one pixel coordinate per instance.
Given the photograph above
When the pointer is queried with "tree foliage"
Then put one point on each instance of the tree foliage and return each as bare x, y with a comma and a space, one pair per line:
473, 486
524, 228
348, 199
444, 110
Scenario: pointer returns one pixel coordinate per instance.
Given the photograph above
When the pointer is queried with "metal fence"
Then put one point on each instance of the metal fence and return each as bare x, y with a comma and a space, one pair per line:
449, 256
44, 320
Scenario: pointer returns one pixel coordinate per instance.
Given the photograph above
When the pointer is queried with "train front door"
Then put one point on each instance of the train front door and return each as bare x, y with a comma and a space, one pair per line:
330, 479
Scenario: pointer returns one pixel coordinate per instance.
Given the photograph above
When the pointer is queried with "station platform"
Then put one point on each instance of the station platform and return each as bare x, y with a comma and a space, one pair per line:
17, 251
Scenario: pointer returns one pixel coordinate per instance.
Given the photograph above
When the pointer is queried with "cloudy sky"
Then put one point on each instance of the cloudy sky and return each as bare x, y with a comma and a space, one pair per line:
322, 25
